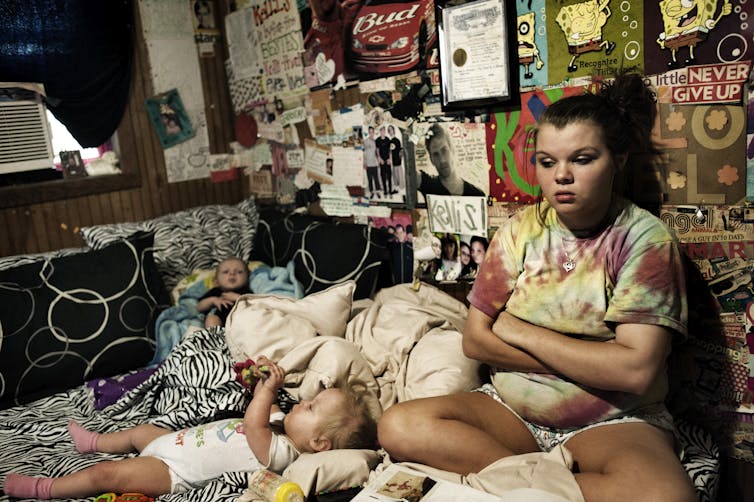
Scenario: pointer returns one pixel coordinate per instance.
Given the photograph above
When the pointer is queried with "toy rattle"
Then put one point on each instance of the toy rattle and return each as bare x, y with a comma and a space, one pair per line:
123, 497
248, 373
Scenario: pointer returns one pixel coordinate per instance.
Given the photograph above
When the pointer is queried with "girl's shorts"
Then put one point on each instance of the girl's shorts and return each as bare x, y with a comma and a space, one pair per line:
548, 438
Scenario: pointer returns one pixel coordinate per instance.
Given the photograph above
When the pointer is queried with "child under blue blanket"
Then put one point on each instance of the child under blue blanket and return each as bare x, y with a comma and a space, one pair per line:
173, 322
232, 278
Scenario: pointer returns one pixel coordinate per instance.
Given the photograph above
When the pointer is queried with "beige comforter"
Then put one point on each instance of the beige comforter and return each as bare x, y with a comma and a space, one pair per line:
404, 344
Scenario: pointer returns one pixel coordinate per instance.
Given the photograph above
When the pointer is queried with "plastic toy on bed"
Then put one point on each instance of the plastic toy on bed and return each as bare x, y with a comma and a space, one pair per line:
248, 373
123, 497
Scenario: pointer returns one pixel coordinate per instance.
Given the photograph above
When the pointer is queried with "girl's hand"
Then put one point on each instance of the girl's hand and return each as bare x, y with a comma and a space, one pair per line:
507, 327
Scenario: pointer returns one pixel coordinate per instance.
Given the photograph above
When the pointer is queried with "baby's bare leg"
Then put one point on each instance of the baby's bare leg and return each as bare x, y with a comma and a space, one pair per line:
129, 440
212, 320
147, 475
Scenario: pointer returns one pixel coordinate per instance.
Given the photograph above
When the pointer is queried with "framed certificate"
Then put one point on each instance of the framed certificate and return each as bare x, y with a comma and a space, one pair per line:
476, 41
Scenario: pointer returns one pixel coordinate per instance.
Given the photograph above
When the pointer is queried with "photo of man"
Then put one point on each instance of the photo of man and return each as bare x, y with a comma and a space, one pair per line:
448, 181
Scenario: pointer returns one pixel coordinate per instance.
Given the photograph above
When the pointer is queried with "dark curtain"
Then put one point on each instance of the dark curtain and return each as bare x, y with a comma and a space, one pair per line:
81, 50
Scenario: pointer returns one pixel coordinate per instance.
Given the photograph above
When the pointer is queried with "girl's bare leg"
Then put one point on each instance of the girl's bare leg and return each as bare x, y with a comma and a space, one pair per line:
460, 433
630, 461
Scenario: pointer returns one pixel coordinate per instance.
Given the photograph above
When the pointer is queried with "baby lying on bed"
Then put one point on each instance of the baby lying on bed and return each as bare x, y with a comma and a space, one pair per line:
174, 462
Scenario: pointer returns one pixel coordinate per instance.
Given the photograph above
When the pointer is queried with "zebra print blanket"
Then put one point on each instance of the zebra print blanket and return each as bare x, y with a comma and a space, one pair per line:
195, 384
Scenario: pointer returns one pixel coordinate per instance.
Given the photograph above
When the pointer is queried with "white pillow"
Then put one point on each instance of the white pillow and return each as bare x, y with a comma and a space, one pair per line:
273, 325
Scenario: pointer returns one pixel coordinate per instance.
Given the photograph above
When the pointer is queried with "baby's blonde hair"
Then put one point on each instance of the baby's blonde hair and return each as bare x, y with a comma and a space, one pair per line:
353, 427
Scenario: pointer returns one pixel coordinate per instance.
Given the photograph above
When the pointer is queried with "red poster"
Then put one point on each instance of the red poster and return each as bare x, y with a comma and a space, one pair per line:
512, 177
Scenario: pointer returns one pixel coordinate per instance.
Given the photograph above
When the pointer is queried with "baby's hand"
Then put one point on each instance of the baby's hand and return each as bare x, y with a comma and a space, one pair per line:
249, 373
230, 295
275, 375
221, 301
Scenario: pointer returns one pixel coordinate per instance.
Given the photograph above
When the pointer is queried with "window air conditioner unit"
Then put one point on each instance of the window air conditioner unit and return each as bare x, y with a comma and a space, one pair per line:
25, 140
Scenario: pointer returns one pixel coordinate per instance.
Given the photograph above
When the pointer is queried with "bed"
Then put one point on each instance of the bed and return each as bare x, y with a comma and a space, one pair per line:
341, 327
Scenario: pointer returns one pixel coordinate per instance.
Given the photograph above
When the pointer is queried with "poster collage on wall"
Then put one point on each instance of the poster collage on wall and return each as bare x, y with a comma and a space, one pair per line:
347, 94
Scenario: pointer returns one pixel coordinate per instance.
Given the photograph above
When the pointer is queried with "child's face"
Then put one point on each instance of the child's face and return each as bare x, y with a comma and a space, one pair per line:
465, 255
232, 274
304, 422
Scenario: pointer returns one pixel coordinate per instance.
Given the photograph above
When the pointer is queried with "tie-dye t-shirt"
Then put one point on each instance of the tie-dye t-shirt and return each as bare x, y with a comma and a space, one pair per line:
631, 272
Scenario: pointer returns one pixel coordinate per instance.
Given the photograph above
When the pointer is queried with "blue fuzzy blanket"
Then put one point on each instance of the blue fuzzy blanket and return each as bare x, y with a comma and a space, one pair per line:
276, 281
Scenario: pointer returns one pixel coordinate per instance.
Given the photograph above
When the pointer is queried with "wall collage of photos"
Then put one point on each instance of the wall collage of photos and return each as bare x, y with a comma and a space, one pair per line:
347, 94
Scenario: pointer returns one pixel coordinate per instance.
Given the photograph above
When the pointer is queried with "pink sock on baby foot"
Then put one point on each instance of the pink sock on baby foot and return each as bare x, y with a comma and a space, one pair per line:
27, 487
86, 441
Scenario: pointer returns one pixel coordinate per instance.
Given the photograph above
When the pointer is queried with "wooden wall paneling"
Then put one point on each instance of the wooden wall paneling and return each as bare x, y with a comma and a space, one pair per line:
80, 213
63, 222
71, 220
13, 240
174, 196
50, 228
140, 199
134, 198
106, 208
115, 206
150, 156
152, 169
5, 236
41, 241
211, 111
126, 208
95, 210
212, 191
183, 193
51, 225
29, 237
12, 237
196, 191
23, 231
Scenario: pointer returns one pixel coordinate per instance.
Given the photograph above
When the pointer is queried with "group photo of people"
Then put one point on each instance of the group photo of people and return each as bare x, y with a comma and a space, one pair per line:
383, 164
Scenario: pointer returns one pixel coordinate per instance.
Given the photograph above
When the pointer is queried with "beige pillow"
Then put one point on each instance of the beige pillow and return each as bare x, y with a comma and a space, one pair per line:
273, 325
437, 366
332, 470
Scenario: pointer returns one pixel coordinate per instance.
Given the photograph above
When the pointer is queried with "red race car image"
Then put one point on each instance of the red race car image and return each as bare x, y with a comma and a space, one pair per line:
393, 36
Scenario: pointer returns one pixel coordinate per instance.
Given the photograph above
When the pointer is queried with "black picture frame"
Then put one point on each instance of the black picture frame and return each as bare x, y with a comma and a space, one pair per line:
489, 24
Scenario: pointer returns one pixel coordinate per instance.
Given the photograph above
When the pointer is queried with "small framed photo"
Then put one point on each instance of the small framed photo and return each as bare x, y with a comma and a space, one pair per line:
478, 53
203, 14
169, 118
72, 164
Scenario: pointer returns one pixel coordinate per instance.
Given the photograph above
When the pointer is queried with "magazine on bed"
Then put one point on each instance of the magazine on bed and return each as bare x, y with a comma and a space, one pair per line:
400, 483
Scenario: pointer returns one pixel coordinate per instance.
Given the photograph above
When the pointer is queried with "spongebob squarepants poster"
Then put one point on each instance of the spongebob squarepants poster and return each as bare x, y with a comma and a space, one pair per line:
532, 43
588, 37
679, 33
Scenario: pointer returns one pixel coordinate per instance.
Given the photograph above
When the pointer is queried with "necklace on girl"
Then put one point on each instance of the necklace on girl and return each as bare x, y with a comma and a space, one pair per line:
569, 263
